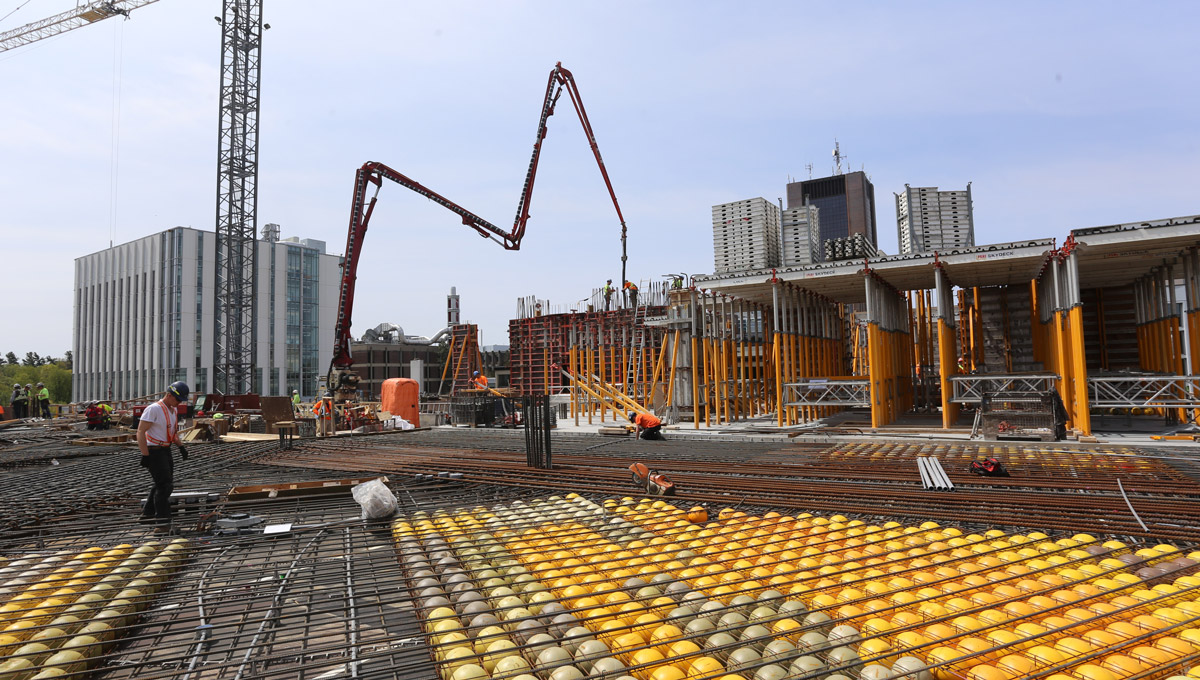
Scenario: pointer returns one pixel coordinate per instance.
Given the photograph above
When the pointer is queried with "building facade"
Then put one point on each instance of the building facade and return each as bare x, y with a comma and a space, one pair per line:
144, 315
745, 235
929, 220
846, 204
800, 236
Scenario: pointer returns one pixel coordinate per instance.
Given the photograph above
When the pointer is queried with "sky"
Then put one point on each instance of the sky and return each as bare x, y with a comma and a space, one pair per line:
1061, 115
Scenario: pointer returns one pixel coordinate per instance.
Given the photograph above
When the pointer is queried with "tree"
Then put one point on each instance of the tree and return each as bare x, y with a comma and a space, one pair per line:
11, 358
32, 359
69, 359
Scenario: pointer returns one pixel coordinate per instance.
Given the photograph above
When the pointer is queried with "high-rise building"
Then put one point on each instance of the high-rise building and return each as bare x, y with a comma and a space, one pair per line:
800, 233
929, 220
144, 315
846, 203
745, 235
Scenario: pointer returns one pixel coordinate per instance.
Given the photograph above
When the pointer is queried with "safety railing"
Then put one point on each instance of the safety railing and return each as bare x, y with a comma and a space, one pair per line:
1132, 391
850, 391
969, 388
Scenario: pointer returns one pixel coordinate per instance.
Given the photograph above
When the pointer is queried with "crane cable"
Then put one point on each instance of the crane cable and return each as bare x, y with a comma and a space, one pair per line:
14, 10
115, 139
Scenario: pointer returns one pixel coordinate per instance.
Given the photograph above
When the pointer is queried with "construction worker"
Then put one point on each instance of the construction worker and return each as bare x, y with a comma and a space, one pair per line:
94, 415
323, 410
633, 290
295, 402
157, 431
962, 364
608, 291
3, 415
676, 282
106, 415
648, 425
20, 402
43, 396
479, 381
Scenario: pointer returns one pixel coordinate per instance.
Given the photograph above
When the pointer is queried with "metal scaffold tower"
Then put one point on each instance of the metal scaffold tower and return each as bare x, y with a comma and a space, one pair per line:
237, 196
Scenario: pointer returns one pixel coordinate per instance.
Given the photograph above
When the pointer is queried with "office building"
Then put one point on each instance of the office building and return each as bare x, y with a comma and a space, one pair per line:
800, 235
745, 235
929, 220
846, 204
144, 315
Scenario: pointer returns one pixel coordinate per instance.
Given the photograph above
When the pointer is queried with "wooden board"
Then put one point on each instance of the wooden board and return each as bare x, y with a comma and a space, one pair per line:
249, 437
275, 409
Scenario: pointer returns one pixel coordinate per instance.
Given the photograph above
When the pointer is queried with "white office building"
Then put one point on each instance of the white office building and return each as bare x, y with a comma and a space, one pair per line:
929, 220
800, 236
745, 235
144, 315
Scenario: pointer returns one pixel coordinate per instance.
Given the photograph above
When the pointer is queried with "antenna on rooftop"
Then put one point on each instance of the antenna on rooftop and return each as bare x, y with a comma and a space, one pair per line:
808, 166
837, 157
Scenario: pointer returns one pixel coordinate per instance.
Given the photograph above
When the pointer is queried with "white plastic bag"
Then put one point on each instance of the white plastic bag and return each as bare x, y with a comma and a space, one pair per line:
375, 498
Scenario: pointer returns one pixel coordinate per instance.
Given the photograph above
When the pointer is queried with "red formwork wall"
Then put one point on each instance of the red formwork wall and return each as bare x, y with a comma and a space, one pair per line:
539, 346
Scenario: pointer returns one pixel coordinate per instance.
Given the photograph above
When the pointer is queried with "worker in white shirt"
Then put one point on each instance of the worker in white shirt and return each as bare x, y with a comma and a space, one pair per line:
157, 431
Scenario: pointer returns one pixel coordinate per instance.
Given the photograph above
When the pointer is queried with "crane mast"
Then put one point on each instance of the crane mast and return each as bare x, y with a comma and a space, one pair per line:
235, 347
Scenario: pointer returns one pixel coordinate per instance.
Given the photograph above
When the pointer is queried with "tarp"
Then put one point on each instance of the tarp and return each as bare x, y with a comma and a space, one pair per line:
401, 397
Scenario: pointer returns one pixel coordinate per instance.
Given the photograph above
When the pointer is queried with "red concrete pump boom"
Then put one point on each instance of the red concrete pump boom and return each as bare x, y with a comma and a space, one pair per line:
341, 377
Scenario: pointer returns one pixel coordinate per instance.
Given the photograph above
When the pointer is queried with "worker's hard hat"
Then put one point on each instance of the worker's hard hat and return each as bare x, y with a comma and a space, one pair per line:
16, 384
632, 415
295, 391
476, 372
179, 389
328, 393
40, 385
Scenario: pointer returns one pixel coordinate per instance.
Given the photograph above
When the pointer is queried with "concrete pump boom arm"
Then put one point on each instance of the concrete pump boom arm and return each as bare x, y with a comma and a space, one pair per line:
373, 173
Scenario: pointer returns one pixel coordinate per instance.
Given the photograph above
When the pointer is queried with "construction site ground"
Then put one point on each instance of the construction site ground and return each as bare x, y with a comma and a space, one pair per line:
324, 595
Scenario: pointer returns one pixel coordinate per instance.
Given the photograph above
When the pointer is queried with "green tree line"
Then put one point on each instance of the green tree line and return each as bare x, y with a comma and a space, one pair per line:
34, 369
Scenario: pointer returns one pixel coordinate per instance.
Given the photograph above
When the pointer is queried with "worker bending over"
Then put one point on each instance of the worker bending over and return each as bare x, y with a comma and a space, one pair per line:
479, 381
157, 431
648, 425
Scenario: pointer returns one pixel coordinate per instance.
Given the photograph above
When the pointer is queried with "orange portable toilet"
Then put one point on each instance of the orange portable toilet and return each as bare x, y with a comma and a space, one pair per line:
401, 397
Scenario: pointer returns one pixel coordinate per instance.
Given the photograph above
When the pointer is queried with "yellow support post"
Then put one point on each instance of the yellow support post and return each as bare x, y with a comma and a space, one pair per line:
947, 368
695, 382
674, 358
1083, 418
876, 379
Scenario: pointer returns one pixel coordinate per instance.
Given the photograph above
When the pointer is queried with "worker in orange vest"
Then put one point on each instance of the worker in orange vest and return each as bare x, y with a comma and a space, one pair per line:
479, 381
648, 425
633, 290
323, 410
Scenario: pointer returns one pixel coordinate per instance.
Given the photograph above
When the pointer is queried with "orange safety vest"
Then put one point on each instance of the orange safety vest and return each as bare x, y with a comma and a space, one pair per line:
172, 425
629, 285
481, 382
646, 420
322, 410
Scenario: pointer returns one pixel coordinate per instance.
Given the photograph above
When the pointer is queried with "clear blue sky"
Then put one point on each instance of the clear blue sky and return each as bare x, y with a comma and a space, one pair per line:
1062, 115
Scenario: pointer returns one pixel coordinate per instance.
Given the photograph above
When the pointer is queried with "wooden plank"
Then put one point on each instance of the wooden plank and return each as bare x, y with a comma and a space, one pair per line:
249, 437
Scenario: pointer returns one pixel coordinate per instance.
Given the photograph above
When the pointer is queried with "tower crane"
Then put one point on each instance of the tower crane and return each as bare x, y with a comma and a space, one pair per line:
237, 171
342, 378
